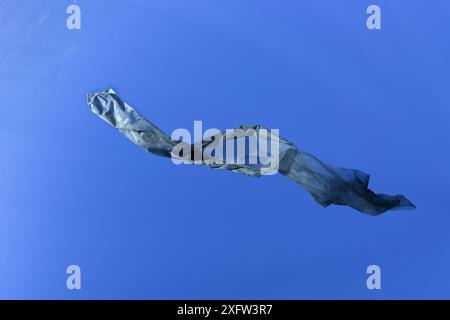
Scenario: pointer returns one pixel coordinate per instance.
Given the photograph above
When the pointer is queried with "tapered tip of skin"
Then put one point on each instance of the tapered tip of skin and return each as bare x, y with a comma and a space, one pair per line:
91, 97
98, 103
405, 204
402, 203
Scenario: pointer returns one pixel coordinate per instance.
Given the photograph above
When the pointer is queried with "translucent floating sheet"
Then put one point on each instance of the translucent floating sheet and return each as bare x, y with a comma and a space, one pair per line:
327, 184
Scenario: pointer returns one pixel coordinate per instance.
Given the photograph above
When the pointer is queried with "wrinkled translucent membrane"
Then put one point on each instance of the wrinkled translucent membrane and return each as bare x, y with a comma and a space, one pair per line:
327, 184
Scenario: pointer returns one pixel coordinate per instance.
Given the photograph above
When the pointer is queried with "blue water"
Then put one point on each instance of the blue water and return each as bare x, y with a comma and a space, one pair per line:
75, 191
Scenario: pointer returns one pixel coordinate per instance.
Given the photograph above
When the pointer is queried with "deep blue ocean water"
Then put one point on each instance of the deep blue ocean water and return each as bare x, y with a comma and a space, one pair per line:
74, 191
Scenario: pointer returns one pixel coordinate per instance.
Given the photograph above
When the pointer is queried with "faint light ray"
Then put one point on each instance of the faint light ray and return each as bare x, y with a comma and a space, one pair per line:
45, 16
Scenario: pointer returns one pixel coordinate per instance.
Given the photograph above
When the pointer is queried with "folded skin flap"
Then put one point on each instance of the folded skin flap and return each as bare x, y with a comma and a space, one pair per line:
327, 184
